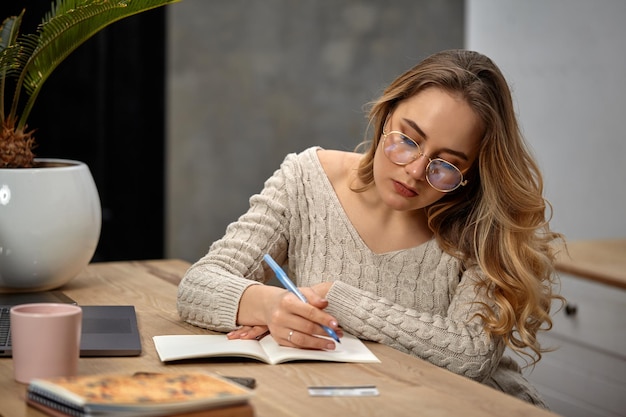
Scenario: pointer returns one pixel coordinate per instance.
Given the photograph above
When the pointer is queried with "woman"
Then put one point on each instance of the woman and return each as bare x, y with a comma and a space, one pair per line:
434, 241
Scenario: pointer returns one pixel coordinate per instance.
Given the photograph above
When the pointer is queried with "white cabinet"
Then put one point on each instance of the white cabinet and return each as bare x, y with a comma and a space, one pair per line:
586, 375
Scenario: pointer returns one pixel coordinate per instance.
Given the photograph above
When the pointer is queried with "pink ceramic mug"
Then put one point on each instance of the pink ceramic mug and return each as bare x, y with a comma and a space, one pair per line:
45, 339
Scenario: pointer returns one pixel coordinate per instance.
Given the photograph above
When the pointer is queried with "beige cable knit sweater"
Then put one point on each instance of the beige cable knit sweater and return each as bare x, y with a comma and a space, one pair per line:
417, 300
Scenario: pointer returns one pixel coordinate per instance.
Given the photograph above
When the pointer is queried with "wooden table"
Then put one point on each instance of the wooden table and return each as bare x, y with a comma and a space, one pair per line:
408, 386
598, 260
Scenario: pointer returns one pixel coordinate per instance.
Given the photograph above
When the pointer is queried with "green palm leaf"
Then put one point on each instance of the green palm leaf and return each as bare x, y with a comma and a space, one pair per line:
9, 32
67, 26
8, 37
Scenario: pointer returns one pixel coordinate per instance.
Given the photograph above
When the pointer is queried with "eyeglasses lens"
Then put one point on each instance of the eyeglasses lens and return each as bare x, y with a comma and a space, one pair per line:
440, 174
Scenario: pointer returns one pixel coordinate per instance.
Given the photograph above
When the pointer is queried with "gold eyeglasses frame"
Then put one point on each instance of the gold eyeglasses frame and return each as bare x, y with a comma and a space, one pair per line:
420, 153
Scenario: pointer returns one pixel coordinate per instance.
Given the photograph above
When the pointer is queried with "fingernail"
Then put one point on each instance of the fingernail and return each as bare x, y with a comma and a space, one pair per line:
330, 346
244, 334
333, 323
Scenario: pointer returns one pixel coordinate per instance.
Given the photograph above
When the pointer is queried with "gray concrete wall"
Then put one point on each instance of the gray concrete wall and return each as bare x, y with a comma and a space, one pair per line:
250, 81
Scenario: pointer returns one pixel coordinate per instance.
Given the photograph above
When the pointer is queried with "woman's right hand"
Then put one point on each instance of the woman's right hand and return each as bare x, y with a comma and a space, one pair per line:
290, 321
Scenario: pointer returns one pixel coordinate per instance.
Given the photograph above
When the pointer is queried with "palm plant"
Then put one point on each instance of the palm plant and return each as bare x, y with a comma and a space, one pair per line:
26, 62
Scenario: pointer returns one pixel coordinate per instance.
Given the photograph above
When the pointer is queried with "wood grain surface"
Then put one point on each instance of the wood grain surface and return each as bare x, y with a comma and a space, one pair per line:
408, 386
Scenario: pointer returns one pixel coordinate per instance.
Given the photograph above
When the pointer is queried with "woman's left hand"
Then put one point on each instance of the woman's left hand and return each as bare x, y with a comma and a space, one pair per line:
248, 333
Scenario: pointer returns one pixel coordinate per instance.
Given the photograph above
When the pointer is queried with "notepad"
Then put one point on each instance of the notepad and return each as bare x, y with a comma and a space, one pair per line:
141, 394
179, 347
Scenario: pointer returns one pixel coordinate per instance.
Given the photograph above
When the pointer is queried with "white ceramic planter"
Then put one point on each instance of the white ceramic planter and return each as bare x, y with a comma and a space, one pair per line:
50, 220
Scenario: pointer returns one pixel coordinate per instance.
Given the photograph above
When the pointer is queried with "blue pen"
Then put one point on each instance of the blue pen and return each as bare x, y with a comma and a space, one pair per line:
284, 279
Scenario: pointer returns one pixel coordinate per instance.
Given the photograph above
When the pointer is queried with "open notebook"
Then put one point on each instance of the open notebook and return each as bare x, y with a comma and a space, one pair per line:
106, 330
197, 346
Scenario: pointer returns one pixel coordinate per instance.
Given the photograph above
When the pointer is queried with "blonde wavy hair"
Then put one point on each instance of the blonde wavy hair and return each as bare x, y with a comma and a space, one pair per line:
498, 221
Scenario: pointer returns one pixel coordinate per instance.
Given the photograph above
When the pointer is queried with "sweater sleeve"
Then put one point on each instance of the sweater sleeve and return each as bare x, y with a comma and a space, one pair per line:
456, 341
210, 291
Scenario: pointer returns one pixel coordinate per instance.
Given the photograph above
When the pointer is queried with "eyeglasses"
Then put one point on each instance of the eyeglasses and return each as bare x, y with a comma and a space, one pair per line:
440, 174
